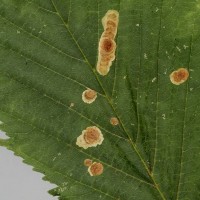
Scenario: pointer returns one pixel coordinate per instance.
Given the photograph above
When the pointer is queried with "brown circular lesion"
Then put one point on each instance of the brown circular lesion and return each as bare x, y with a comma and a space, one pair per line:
96, 169
179, 76
90, 94
92, 135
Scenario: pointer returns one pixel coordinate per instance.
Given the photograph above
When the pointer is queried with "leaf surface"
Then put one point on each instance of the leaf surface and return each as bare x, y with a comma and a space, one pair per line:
48, 54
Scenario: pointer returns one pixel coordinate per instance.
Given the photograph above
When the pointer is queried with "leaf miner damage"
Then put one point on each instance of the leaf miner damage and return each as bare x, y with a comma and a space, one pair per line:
107, 45
114, 121
87, 162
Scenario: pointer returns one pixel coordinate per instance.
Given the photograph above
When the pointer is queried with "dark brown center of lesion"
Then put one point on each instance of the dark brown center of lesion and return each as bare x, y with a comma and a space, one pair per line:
180, 75
90, 94
107, 45
96, 169
91, 135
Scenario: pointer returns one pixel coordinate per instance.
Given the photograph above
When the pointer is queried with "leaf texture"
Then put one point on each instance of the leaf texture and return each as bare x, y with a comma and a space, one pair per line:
48, 56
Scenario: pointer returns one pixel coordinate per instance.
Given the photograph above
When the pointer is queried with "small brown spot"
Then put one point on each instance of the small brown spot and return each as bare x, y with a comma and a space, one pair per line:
95, 169
89, 96
114, 121
90, 137
87, 162
179, 76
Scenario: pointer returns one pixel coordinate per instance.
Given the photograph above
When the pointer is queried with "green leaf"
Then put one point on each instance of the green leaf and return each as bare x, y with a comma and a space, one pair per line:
48, 56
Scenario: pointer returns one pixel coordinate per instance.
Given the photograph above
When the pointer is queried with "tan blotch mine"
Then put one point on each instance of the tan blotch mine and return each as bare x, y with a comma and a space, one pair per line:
89, 96
114, 121
179, 76
107, 45
87, 162
95, 169
90, 137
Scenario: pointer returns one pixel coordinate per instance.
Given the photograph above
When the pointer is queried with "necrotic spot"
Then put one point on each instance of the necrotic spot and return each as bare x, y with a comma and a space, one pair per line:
91, 137
95, 169
87, 162
89, 96
114, 121
179, 76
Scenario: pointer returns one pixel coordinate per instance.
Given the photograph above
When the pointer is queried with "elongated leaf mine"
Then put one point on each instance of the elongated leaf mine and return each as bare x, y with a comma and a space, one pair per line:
95, 169
90, 137
87, 162
107, 45
89, 96
179, 76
